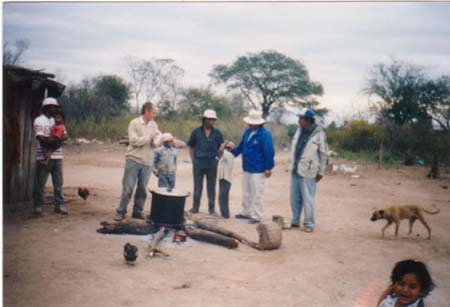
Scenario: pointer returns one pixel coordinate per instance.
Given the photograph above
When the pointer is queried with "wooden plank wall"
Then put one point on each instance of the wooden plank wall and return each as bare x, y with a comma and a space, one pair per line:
22, 173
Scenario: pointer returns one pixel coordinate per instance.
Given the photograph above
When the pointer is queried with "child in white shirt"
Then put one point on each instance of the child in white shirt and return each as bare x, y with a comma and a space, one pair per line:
224, 175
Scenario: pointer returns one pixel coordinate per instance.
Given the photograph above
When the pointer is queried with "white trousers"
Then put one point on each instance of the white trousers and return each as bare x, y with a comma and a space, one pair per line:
252, 195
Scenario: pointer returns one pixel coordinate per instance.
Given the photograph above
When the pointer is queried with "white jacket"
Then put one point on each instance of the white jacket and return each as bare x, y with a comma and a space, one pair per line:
314, 158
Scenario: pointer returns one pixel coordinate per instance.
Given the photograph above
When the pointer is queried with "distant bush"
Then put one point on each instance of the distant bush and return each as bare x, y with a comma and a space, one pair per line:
116, 128
90, 128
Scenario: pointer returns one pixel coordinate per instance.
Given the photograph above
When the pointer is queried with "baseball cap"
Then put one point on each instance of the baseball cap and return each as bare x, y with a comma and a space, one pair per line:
50, 102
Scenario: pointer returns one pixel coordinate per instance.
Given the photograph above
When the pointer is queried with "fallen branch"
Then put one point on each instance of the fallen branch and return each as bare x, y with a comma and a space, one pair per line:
269, 235
211, 237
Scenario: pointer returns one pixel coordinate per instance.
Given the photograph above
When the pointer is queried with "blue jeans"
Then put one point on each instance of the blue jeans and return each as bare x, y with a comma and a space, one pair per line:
303, 193
134, 173
55, 168
166, 180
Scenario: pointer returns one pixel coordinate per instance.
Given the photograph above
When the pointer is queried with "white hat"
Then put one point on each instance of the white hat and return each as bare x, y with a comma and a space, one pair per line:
210, 114
165, 137
254, 118
50, 102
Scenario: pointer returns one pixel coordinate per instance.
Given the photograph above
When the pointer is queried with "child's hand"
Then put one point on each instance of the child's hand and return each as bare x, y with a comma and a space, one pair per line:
155, 135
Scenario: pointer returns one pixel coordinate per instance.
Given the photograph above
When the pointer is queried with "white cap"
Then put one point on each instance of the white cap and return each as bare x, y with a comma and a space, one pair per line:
50, 102
210, 114
165, 137
254, 118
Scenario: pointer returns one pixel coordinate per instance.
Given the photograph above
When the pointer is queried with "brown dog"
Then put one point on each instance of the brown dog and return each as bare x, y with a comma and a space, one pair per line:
394, 214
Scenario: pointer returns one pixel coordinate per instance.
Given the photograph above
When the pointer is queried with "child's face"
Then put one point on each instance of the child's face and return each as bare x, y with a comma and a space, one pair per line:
168, 143
408, 289
58, 119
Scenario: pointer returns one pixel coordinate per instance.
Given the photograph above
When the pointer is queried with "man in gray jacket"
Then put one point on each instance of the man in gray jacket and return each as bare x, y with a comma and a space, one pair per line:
308, 162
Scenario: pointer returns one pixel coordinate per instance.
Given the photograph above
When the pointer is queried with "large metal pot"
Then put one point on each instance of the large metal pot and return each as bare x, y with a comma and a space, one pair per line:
167, 207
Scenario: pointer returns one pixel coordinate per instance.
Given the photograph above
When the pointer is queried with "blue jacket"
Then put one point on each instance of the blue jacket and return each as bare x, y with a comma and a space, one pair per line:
258, 152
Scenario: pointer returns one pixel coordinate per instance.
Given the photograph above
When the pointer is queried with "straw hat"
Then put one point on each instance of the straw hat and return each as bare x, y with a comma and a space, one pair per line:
254, 118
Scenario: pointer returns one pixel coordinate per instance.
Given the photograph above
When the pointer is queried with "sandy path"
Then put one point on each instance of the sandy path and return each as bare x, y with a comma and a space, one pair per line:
62, 261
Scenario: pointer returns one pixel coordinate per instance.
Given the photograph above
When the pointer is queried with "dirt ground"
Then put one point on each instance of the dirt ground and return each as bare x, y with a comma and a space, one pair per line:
62, 261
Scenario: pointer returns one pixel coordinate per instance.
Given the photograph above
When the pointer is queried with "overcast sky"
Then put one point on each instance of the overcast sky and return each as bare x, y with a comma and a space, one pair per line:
338, 42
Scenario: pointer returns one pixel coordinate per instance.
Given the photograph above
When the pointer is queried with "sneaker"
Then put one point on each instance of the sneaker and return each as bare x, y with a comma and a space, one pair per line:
295, 226
308, 229
253, 221
138, 215
241, 216
119, 217
193, 211
61, 210
37, 211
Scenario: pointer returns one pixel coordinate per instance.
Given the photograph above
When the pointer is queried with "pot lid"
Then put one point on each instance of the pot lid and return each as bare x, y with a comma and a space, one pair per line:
173, 192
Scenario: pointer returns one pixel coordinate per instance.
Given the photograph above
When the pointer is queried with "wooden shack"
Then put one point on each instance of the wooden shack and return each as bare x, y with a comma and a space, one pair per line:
23, 92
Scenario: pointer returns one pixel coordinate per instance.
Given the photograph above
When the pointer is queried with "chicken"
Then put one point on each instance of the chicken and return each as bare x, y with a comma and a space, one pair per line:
83, 192
130, 252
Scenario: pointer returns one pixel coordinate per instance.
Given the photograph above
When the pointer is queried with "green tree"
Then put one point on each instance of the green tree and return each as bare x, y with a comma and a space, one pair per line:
99, 97
195, 101
400, 87
112, 93
268, 79
436, 99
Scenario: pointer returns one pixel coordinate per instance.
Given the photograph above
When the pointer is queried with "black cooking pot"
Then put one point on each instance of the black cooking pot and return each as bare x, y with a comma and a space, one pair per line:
167, 207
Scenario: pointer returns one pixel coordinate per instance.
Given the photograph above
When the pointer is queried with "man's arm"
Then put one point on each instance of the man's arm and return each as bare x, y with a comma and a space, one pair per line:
323, 156
269, 154
136, 140
191, 152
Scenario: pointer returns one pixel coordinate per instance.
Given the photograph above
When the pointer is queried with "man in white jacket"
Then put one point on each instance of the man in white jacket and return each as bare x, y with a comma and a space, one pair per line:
308, 162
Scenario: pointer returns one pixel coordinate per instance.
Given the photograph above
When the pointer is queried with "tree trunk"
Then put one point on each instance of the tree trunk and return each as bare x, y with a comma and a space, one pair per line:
434, 172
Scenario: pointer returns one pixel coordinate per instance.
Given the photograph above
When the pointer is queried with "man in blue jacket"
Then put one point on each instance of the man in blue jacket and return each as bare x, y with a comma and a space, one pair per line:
258, 154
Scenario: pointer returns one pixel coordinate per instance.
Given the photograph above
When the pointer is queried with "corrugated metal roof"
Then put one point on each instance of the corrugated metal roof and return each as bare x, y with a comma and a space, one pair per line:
20, 74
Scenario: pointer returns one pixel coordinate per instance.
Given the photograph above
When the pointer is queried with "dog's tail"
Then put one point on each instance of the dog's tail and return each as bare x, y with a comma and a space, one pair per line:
431, 212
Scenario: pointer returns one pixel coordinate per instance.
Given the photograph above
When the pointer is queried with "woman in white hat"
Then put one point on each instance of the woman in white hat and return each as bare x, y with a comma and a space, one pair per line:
258, 153
204, 144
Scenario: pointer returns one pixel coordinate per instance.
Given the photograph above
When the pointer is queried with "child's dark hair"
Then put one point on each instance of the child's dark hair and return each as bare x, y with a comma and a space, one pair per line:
413, 267
60, 112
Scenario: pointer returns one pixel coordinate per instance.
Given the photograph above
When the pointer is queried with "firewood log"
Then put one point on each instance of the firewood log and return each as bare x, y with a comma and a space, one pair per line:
269, 236
211, 237
132, 228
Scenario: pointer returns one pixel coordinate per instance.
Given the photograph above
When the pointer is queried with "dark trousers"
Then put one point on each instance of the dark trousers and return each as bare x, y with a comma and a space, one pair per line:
55, 169
224, 190
204, 168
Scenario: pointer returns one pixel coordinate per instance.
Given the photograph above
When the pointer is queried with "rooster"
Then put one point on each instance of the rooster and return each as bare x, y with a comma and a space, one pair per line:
130, 252
83, 192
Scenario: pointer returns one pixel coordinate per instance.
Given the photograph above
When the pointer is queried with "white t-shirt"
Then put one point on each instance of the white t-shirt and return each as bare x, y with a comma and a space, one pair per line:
42, 126
390, 301
225, 167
